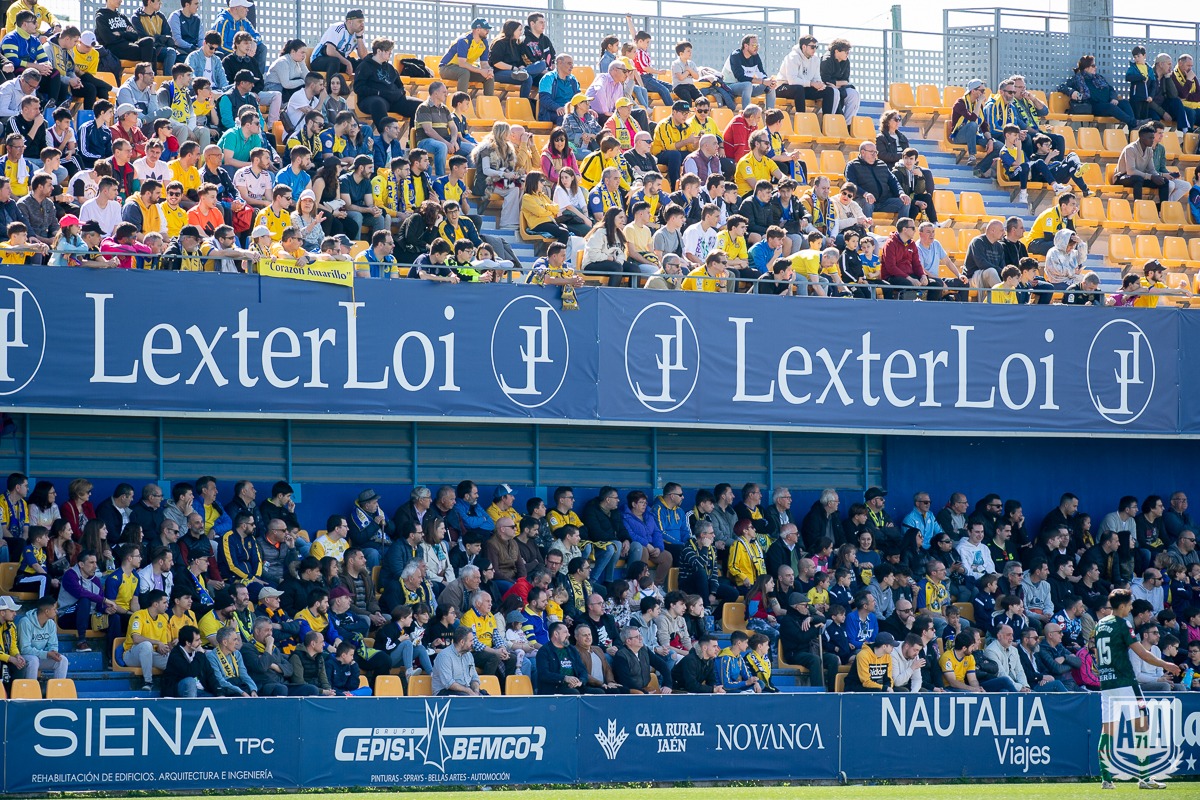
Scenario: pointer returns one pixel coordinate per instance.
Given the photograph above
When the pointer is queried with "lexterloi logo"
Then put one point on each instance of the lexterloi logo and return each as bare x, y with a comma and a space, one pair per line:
1148, 743
610, 740
661, 342
22, 336
530, 351
1120, 371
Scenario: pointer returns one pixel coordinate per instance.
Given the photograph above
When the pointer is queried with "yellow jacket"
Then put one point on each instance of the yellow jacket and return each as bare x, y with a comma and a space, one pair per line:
668, 135
537, 209
594, 165
745, 561
1047, 223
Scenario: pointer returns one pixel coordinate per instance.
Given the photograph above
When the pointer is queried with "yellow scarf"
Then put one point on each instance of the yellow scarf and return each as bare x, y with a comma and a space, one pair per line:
229, 666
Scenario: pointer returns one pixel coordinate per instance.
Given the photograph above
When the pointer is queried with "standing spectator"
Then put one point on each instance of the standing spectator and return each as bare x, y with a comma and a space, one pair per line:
342, 47
1091, 93
467, 59
37, 635
746, 74
835, 72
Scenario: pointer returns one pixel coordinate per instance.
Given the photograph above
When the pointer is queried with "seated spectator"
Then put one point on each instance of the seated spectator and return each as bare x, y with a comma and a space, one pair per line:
492, 656
917, 183
32, 575
730, 670
228, 667
985, 259
1004, 653
1136, 168
968, 127
877, 188
454, 668
750, 77
1151, 678
82, 597
871, 669
560, 669
148, 641
37, 636
308, 668
187, 673
344, 674
900, 263
1091, 93
695, 673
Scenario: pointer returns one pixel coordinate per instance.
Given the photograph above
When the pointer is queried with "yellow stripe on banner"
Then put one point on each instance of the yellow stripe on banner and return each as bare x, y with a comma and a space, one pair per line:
336, 272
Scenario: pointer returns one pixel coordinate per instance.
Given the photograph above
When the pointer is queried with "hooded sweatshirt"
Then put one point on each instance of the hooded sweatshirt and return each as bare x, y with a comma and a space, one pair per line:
798, 69
1061, 266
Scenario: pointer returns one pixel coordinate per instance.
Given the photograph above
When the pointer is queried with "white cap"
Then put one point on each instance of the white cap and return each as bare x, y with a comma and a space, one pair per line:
240, 4
88, 38
260, 231
8, 604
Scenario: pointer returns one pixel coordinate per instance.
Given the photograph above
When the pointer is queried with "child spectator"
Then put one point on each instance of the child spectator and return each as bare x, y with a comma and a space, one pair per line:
645, 73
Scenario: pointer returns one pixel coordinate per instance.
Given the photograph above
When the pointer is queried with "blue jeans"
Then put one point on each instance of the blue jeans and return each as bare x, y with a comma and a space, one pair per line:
606, 561
998, 685
1178, 112
635, 552
1053, 686
438, 151
506, 76
190, 687
968, 134
642, 96
406, 651
372, 556
750, 90
1121, 111
663, 91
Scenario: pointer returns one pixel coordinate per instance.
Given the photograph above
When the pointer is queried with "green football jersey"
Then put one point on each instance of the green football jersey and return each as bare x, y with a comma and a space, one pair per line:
1114, 637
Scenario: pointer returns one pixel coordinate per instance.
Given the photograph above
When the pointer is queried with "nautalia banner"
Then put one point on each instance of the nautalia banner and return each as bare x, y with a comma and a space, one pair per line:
74, 339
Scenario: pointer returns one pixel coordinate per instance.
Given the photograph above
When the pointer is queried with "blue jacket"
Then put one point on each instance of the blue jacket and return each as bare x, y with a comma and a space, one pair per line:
643, 531
239, 558
534, 627
22, 50
731, 671
835, 640
343, 677
858, 631
196, 61
671, 521
1141, 88
467, 517
1092, 88
383, 152
248, 683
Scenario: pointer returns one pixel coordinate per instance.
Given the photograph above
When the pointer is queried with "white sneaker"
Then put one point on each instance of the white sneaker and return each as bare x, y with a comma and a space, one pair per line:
946, 223
1058, 187
415, 671
1150, 783
1107, 785
1023, 196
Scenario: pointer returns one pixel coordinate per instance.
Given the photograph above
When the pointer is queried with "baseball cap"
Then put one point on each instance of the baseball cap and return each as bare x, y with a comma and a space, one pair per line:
514, 616
623, 63
344, 241
974, 84
355, 13
884, 638
622, 102
874, 492
240, 4
579, 98
260, 231
92, 226
339, 591
126, 108
503, 490
8, 604
480, 22
269, 592
88, 38
681, 105
68, 220
796, 598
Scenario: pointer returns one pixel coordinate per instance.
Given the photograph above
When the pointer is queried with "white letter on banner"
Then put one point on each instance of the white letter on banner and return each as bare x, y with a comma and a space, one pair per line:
448, 385
352, 381
1030, 373
784, 390
963, 402
931, 360
866, 357
243, 336
740, 395
98, 376
398, 361
269, 354
835, 376
318, 337
40, 726
149, 351
889, 375
206, 355
1048, 361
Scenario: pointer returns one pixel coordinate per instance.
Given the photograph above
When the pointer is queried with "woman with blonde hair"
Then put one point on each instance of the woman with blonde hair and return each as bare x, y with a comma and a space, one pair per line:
497, 159
78, 510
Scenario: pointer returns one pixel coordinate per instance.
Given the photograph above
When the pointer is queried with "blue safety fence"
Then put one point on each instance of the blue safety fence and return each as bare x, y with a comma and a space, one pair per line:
197, 745
231, 345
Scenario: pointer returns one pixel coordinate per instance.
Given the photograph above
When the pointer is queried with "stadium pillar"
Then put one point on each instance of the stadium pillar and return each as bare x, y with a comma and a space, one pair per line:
1090, 25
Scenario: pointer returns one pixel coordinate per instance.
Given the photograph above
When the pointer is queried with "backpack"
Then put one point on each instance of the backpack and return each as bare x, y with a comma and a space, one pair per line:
414, 68
479, 186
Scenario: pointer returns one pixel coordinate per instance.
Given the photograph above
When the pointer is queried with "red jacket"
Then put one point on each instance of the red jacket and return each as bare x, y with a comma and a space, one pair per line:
737, 138
899, 259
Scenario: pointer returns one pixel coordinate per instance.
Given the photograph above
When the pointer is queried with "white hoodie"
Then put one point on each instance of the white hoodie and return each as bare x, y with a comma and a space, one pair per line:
797, 70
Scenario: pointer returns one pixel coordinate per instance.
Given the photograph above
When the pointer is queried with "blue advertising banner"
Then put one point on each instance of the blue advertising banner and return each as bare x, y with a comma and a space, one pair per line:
963, 735
207, 343
439, 740
709, 737
80, 745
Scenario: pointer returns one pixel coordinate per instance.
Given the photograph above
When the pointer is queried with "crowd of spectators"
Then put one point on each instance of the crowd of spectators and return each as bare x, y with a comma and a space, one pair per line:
182, 169
232, 599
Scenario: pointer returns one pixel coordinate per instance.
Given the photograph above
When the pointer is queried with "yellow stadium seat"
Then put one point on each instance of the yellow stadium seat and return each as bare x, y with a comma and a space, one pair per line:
487, 111
1091, 213
951, 95
1190, 142
1175, 153
1088, 142
1120, 215
652, 686
810, 158
1194, 249
1059, 105
659, 113
806, 126
835, 131
733, 617
1092, 175
1174, 215
60, 689
1114, 143
389, 686
929, 98
1175, 252
3, 694
1120, 248
901, 97
966, 611
489, 684
971, 205
839, 683
947, 238
1146, 246
862, 128
517, 110
833, 163
1145, 216
722, 116
518, 686
26, 689
585, 75
1110, 171
363, 683
965, 237
8, 576
358, 248
945, 204
673, 580
420, 686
